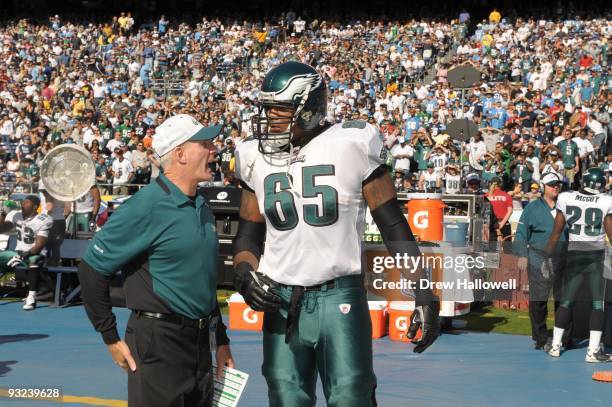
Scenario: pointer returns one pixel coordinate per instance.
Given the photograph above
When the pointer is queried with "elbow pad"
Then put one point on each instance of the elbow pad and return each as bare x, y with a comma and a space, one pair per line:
250, 237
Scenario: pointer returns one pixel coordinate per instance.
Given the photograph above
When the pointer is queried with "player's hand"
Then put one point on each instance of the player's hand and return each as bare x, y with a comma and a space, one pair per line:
254, 286
522, 264
425, 317
223, 356
15, 261
122, 356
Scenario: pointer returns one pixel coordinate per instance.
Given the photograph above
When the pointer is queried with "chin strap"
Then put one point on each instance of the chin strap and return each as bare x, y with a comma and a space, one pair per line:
288, 171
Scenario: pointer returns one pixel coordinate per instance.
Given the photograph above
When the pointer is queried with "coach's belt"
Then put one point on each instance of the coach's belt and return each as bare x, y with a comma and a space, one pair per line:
200, 323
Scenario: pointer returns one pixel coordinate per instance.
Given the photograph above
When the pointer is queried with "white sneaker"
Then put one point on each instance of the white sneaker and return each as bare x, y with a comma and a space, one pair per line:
30, 303
552, 350
597, 356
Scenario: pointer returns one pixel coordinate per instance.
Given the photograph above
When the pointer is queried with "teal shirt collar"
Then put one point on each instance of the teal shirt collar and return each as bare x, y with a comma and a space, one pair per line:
541, 199
176, 195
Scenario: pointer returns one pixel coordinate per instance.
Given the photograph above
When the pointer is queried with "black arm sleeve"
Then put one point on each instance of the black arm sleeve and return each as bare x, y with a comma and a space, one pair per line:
250, 237
397, 236
221, 333
96, 297
393, 225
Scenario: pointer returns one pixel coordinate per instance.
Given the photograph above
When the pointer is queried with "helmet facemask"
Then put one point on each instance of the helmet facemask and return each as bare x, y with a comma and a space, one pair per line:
306, 95
273, 142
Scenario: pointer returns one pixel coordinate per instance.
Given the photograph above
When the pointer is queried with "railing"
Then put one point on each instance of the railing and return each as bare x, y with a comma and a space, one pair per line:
167, 87
9, 188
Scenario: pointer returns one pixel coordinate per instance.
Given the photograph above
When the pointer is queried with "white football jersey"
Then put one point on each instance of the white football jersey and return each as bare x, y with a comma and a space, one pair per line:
85, 204
28, 229
584, 215
430, 180
313, 202
453, 184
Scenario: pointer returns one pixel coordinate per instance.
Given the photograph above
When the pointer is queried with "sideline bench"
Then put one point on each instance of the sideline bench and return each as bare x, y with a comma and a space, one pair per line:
72, 250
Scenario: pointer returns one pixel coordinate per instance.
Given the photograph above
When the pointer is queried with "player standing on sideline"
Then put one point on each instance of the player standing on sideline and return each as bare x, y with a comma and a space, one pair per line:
305, 187
588, 214
32, 233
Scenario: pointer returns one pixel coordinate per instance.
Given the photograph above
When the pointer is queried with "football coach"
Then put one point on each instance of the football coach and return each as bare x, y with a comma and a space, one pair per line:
164, 242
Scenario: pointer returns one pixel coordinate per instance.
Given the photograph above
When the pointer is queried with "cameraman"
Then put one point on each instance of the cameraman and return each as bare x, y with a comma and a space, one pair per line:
141, 165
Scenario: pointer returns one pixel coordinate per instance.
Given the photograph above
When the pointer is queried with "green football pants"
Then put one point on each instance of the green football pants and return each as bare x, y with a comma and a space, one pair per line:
82, 222
584, 265
31, 261
333, 338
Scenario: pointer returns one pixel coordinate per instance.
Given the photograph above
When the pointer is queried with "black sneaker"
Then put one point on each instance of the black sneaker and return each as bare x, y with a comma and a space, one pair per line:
539, 345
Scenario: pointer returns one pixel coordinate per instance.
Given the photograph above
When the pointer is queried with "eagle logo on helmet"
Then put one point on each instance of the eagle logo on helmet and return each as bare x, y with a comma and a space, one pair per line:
295, 89
289, 86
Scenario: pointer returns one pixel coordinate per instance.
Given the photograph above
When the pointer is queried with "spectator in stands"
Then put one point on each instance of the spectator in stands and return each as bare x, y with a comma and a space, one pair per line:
569, 155
522, 172
430, 180
141, 165
402, 153
122, 172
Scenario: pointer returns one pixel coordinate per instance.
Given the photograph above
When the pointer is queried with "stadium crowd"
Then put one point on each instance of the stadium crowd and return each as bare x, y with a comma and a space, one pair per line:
542, 104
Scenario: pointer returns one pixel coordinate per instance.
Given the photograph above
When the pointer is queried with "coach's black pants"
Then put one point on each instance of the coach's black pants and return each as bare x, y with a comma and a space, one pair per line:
541, 283
173, 364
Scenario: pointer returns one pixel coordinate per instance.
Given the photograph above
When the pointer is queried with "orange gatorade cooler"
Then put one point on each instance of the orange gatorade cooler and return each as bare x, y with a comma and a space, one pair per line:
241, 316
425, 216
378, 315
399, 320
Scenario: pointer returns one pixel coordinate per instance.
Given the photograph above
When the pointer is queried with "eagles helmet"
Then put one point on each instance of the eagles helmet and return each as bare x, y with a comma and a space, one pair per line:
291, 85
594, 180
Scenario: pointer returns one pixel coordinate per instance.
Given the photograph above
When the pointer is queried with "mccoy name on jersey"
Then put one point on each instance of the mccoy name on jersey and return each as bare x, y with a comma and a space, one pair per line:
28, 229
312, 201
584, 215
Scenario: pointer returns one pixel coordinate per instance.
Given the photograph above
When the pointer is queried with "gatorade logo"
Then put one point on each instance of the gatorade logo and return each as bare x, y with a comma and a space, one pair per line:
250, 316
421, 219
401, 323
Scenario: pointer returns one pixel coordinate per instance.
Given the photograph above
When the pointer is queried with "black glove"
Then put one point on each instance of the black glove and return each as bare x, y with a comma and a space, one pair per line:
254, 286
425, 316
23, 253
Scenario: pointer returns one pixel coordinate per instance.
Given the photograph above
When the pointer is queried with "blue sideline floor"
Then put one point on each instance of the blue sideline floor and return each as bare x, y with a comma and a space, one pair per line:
58, 347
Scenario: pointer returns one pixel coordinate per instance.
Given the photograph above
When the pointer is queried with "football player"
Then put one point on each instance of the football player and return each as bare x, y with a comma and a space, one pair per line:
305, 187
588, 215
32, 232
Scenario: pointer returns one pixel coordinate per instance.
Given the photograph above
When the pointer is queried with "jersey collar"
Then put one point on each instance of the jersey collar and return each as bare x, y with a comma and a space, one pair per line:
176, 195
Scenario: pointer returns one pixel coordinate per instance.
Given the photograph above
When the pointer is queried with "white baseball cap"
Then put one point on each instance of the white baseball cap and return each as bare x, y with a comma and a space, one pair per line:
178, 129
551, 178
